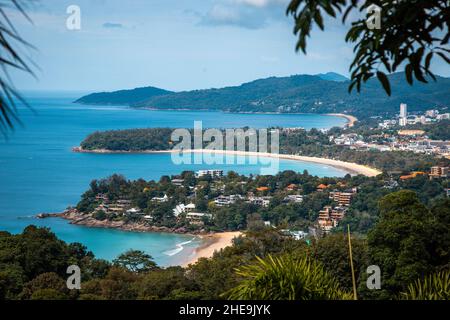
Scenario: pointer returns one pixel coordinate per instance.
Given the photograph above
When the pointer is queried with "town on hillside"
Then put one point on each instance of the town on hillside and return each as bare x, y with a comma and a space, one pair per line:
209, 201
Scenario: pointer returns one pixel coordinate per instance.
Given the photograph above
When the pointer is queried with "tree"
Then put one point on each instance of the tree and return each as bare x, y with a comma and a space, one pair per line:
332, 251
286, 278
135, 261
45, 281
411, 34
118, 284
48, 294
408, 242
165, 284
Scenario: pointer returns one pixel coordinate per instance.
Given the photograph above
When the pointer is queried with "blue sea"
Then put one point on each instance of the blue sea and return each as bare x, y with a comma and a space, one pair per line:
40, 173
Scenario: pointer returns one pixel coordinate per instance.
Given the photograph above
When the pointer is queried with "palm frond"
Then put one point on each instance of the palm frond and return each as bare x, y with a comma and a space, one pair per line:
286, 278
435, 286
11, 57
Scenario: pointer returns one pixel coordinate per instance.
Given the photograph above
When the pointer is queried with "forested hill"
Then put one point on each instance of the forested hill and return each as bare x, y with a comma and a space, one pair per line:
332, 76
122, 97
307, 94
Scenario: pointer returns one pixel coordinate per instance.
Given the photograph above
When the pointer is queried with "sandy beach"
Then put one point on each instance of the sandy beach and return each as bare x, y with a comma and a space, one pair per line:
213, 242
348, 166
351, 119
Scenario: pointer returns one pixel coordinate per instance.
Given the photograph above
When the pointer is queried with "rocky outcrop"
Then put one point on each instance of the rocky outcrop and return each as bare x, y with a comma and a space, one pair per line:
86, 219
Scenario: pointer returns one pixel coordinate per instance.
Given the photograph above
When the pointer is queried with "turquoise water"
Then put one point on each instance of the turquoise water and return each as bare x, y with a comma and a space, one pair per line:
39, 173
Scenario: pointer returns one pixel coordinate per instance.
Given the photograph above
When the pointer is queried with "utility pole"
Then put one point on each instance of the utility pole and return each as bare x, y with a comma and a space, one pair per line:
355, 297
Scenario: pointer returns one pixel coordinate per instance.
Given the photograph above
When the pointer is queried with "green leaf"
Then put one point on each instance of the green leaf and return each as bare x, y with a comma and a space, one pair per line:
384, 81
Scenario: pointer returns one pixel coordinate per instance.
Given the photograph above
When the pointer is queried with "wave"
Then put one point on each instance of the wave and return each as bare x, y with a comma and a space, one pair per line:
178, 249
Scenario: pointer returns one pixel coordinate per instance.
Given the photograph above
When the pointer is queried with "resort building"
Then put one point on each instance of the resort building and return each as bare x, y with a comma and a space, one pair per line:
439, 172
296, 198
343, 198
102, 197
211, 173
321, 187
178, 182
291, 187
260, 201
225, 201
134, 211
197, 218
338, 213
329, 217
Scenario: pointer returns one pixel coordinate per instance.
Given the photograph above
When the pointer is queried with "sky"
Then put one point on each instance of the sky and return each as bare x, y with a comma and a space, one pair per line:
171, 44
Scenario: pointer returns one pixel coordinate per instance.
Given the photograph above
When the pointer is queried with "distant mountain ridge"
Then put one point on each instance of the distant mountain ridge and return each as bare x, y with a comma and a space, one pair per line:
332, 76
122, 97
294, 94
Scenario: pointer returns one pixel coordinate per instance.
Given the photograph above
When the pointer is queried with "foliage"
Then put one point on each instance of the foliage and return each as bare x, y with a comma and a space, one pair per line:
128, 140
37, 260
305, 94
11, 56
332, 251
439, 131
412, 33
122, 97
286, 278
434, 286
135, 261
409, 240
45, 281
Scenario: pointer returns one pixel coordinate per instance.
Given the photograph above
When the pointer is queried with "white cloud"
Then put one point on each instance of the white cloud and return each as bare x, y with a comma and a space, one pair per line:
250, 14
260, 3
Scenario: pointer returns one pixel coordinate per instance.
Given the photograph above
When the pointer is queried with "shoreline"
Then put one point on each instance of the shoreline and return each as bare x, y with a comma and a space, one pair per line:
347, 166
212, 243
351, 119
86, 220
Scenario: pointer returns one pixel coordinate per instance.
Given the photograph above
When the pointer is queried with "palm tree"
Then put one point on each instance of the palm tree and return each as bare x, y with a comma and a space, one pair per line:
286, 278
11, 57
435, 286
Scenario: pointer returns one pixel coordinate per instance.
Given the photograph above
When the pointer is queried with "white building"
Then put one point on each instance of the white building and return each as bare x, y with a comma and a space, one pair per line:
296, 198
403, 110
161, 199
260, 201
198, 217
403, 121
181, 208
211, 173
134, 211
432, 113
178, 182
224, 201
